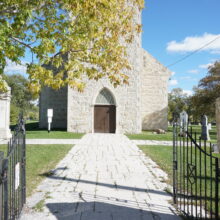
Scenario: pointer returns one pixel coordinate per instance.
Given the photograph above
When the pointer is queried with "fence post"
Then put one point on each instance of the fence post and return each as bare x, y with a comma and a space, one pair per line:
5, 186
1, 184
23, 162
216, 187
174, 162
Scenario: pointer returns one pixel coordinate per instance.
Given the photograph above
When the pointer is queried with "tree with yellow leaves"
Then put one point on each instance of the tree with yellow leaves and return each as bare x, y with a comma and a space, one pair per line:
68, 39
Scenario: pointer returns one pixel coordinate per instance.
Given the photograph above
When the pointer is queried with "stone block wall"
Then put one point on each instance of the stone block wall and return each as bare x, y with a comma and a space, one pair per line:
128, 97
154, 93
81, 107
56, 100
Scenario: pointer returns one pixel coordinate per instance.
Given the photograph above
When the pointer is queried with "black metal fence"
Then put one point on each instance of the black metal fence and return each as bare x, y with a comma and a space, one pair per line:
195, 175
12, 175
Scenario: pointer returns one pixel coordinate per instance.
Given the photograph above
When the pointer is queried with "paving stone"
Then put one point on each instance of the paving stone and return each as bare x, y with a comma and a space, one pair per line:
103, 177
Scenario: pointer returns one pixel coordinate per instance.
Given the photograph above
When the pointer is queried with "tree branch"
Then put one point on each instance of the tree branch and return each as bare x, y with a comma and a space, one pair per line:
21, 42
24, 44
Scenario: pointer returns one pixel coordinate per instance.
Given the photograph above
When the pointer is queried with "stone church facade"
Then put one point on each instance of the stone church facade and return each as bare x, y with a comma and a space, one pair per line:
141, 105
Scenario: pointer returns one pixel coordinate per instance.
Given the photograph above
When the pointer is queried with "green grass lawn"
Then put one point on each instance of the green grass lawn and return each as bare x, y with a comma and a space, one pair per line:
34, 132
41, 134
162, 155
39, 160
149, 135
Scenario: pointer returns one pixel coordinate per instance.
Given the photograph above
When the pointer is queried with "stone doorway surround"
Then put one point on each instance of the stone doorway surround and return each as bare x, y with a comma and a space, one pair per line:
104, 112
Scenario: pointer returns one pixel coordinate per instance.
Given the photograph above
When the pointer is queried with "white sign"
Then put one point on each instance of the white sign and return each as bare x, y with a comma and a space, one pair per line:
49, 117
49, 113
17, 175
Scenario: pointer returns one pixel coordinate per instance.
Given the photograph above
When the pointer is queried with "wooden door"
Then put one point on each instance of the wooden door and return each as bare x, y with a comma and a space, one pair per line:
104, 119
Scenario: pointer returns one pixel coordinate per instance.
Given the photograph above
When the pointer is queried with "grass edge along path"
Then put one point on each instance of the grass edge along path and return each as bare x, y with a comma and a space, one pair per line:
41, 159
161, 155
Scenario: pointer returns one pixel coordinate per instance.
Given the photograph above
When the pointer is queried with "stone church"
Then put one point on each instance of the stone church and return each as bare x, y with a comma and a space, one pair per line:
141, 105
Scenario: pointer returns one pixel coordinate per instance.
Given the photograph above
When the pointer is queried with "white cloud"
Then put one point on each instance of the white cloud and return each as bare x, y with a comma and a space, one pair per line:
173, 82
188, 92
193, 43
173, 73
205, 66
186, 77
195, 71
12, 67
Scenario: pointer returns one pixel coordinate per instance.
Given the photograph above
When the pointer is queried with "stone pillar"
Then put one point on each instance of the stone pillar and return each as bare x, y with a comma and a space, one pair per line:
183, 122
5, 98
218, 121
205, 131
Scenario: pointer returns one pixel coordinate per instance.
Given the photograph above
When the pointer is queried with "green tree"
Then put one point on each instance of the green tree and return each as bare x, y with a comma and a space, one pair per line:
20, 95
77, 38
206, 93
14, 113
177, 102
21, 98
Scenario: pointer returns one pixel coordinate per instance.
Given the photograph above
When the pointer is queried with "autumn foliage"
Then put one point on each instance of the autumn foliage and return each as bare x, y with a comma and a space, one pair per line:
68, 40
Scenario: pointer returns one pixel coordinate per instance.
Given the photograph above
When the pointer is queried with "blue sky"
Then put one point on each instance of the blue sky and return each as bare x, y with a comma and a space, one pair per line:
173, 29
184, 25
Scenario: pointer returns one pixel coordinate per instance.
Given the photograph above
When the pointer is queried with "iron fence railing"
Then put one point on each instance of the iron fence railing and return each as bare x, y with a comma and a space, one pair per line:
13, 175
195, 175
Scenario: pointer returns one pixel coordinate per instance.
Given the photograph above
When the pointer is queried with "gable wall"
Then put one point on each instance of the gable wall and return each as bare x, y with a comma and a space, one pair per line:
154, 93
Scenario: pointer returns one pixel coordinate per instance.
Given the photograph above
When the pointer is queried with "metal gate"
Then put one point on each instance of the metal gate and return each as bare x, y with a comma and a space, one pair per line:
195, 175
12, 175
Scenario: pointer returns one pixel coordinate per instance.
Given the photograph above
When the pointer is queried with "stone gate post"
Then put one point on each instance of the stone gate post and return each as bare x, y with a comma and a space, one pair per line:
5, 98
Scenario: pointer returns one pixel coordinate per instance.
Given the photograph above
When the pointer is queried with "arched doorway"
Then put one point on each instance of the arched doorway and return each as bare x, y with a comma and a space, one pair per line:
105, 113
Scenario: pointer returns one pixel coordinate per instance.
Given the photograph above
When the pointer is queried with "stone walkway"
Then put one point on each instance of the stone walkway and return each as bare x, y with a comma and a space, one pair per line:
103, 177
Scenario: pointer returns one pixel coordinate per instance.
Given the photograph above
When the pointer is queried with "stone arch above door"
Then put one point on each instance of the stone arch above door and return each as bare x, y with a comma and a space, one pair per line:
105, 97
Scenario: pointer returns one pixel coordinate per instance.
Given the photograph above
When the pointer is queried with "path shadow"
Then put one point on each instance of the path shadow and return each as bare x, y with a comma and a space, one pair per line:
105, 211
52, 176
